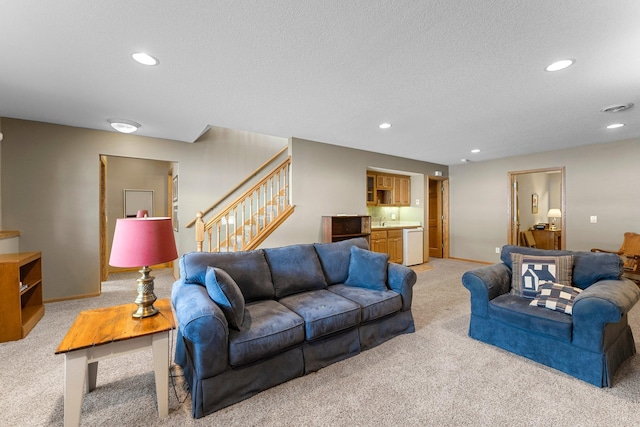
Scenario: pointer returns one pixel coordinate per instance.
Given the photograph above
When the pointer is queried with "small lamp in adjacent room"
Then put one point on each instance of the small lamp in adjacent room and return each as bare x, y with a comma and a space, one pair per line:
141, 242
554, 213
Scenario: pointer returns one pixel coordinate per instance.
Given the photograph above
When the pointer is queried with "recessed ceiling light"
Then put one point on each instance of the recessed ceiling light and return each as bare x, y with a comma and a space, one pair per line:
475, 150
384, 125
464, 160
145, 58
560, 65
615, 126
124, 126
617, 108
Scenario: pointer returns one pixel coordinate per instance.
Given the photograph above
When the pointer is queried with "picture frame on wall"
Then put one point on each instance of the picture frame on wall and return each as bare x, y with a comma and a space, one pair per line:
534, 203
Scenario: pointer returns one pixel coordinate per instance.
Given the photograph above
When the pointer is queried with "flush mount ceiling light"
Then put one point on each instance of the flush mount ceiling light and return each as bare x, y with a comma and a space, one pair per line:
145, 58
615, 126
475, 150
384, 125
617, 108
560, 65
124, 126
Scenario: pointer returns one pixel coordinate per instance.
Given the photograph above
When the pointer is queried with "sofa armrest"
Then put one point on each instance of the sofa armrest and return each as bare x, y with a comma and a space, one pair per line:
401, 279
203, 328
606, 301
486, 283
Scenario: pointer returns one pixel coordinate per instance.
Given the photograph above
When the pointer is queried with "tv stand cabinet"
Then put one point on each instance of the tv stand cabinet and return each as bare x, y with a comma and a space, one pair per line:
21, 305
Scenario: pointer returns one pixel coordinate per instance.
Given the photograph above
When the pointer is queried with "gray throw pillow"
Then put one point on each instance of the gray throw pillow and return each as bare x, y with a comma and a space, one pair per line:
367, 269
224, 291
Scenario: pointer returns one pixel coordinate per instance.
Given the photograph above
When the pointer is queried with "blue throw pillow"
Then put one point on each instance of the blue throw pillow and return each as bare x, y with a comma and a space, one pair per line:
367, 269
224, 291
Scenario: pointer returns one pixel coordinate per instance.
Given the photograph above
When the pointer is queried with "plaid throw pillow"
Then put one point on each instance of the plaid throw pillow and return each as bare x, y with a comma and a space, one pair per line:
529, 271
556, 297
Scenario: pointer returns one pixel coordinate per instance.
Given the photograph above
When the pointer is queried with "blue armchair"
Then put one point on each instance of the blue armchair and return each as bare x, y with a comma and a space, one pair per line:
590, 343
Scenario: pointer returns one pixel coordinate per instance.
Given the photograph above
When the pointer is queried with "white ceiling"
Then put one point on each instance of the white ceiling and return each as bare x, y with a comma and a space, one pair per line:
450, 75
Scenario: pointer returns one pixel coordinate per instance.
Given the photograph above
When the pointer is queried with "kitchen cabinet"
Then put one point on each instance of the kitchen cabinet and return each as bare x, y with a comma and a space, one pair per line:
394, 246
388, 242
371, 189
384, 182
401, 191
388, 190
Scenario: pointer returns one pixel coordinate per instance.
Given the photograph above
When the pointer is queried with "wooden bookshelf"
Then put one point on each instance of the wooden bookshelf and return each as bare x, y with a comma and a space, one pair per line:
21, 306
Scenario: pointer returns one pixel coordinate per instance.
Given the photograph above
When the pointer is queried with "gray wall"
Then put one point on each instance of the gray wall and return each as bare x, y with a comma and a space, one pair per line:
601, 180
328, 180
50, 177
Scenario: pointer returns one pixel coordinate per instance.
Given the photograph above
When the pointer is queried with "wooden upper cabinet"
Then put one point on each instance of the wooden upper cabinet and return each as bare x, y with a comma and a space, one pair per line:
384, 182
401, 191
388, 190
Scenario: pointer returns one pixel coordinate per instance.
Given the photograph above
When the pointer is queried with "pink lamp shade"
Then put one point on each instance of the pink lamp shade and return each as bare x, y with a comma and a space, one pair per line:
139, 242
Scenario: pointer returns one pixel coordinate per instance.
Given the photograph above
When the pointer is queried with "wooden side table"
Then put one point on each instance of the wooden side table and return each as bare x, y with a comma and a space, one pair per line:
108, 332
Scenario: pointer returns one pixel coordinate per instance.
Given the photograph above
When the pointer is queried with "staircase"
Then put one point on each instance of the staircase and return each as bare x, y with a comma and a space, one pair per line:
251, 218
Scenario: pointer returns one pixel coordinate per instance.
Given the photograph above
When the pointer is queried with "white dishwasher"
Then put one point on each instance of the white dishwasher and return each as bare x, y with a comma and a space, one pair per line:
412, 244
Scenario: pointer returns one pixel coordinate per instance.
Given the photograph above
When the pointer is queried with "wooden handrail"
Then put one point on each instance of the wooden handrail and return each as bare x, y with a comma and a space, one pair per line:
240, 184
251, 190
246, 222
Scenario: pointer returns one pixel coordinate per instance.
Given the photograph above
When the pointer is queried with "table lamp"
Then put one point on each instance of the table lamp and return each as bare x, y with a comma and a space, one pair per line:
554, 213
141, 242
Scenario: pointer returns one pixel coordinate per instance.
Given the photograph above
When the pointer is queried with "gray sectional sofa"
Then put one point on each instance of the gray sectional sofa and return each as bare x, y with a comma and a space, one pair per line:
251, 320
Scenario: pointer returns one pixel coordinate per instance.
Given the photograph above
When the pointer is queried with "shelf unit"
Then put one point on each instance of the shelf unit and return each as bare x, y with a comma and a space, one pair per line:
20, 308
343, 227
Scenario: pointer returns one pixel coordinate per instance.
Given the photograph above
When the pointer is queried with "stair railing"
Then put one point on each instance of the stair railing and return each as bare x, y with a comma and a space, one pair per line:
249, 220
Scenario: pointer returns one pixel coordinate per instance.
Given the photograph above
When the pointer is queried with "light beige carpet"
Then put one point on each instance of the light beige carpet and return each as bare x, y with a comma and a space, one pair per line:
436, 376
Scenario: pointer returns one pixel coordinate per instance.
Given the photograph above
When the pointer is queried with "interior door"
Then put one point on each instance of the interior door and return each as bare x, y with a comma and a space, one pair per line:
436, 247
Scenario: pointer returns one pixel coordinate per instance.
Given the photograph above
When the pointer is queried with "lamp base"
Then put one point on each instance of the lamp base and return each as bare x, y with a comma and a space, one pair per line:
146, 297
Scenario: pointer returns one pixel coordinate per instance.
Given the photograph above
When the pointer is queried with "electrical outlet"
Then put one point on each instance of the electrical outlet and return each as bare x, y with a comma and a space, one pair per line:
594, 219
497, 250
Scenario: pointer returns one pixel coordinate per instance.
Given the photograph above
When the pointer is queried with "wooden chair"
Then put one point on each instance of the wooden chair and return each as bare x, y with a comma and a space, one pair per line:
630, 254
527, 239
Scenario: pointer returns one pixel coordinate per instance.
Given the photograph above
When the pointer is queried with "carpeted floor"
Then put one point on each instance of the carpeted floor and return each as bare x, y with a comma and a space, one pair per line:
436, 376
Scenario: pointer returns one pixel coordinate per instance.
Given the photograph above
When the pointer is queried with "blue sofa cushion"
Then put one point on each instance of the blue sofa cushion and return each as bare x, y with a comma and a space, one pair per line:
224, 291
249, 270
294, 269
374, 304
323, 312
367, 269
268, 329
529, 271
591, 267
516, 311
334, 258
556, 297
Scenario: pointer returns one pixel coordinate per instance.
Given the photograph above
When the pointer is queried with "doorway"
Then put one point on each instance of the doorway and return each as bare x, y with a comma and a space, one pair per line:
119, 175
533, 193
438, 217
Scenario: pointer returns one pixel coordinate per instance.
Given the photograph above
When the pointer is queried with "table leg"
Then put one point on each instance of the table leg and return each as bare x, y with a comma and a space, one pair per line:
92, 376
160, 345
75, 368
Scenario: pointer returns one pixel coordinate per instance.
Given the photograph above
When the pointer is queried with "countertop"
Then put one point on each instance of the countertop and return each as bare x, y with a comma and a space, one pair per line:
390, 225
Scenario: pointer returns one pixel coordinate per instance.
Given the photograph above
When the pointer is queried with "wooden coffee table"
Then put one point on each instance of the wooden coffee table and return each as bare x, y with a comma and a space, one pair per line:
108, 332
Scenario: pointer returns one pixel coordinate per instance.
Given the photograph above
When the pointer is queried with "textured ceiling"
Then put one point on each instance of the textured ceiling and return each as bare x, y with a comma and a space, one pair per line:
450, 76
